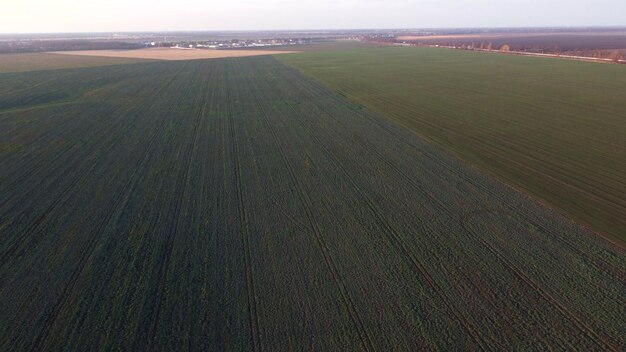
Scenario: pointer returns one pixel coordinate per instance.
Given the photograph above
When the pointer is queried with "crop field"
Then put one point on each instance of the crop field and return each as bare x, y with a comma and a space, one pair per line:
235, 204
48, 61
172, 54
552, 128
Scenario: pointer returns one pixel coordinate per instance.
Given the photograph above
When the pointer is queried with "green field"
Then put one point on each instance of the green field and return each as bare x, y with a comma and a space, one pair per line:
553, 128
238, 205
25, 62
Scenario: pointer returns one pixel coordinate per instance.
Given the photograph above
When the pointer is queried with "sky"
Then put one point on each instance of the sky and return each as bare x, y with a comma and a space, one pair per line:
42, 16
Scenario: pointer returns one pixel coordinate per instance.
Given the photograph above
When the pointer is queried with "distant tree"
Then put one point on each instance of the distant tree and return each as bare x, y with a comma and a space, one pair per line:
505, 48
489, 46
615, 56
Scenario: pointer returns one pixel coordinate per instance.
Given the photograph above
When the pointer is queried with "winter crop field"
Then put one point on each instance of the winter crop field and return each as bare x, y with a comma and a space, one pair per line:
25, 62
553, 128
237, 204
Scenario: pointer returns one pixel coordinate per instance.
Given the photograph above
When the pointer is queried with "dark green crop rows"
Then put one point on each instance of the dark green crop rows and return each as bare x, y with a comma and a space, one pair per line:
236, 205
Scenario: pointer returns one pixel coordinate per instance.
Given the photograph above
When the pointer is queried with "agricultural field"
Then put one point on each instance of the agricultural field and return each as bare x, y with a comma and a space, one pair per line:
172, 54
47, 61
564, 41
552, 128
235, 204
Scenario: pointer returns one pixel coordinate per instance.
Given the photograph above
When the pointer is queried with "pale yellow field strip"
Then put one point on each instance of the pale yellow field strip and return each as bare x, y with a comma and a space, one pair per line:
172, 54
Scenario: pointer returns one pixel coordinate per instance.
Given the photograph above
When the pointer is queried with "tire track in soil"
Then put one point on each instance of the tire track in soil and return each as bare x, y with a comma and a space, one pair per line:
514, 269
598, 263
511, 267
118, 205
396, 240
22, 241
245, 233
353, 315
253, 316
40, 339
171, 235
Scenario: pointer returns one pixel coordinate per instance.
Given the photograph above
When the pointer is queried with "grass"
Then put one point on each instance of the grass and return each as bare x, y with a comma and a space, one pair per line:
238, 205
47, 61
552, 128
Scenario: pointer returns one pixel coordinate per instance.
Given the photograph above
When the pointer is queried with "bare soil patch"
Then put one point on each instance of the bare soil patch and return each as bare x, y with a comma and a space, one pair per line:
173, 54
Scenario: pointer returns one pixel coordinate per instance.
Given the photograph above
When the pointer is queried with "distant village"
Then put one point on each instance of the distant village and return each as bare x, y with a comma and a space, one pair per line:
229, 44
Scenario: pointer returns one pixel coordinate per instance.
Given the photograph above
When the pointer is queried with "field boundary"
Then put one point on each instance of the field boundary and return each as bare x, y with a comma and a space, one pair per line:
519, 53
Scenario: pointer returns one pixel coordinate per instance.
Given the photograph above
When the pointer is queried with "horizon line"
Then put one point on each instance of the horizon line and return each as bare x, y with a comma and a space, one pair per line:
323, 29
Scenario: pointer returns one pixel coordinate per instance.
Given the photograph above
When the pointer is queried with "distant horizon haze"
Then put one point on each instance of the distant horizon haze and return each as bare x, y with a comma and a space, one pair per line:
99, 16
619, 29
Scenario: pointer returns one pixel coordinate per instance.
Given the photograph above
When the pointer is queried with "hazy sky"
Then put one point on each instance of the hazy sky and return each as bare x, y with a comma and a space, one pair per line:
20, 16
